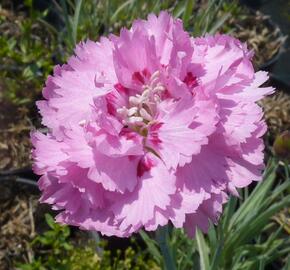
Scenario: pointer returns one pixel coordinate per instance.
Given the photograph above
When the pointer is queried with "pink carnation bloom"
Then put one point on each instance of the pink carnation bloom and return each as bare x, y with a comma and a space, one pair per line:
150, 127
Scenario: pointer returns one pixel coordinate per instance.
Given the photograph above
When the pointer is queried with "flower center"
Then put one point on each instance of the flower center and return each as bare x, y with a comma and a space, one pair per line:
143, 107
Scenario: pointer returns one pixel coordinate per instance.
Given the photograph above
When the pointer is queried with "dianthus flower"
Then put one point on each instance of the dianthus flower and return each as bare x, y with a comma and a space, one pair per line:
150, 127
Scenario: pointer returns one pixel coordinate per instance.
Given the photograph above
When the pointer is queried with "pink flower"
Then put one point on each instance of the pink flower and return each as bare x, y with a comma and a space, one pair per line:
150, 127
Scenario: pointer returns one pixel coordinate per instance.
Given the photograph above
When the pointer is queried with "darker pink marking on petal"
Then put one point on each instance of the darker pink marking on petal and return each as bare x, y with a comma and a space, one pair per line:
165, 95
146, 73
144, 165
154, 138
137, 77
120, 88
156, 126
110, 98
132, 158
190, 80
128, 134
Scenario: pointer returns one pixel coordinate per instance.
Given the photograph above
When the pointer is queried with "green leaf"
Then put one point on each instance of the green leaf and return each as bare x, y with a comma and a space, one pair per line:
256, 198
179, 9
188, 12
67, 22
76, 20
217, 249
152, 246
219, 23
50, 221
122, 7
287, 265
253, 225
203, 250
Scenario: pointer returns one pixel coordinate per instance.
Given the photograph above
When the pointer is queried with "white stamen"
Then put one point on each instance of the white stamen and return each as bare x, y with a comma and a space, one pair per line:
181, 55
155, 75
134, 100
156, 98
82, 122
153, 82
145, 114
145, 94
142, 107
135, 120
122, 110
132, 111
159, 88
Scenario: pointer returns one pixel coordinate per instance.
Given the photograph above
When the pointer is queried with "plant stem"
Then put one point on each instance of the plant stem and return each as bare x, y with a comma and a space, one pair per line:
162, 239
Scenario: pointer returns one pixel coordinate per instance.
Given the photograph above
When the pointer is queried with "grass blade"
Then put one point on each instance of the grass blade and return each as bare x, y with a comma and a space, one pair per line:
152, 246
76, 20
219, 23
203, 250
67, 21
257, 196
124, 5
188, 12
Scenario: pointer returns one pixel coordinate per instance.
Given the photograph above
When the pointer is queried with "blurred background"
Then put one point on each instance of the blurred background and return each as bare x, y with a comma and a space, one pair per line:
35, 35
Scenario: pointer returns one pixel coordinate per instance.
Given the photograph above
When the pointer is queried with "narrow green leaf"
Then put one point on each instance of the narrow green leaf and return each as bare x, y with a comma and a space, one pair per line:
162, 237
254, 225
124, 5
287, 265
257, 197
188, 12
217, 257
217, 250
229, 211
152, 246
49, 220
219, 23
76, 20
67, 21
212, 236
287, 171
203, 250
179, 9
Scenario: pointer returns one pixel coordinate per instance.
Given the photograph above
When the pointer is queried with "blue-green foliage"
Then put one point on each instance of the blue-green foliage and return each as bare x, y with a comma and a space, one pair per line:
246, 238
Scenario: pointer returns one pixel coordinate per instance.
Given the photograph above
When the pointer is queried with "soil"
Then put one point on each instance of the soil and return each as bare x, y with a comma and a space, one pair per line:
277, 112
21, 219
15, 127
261, 35
17, 221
